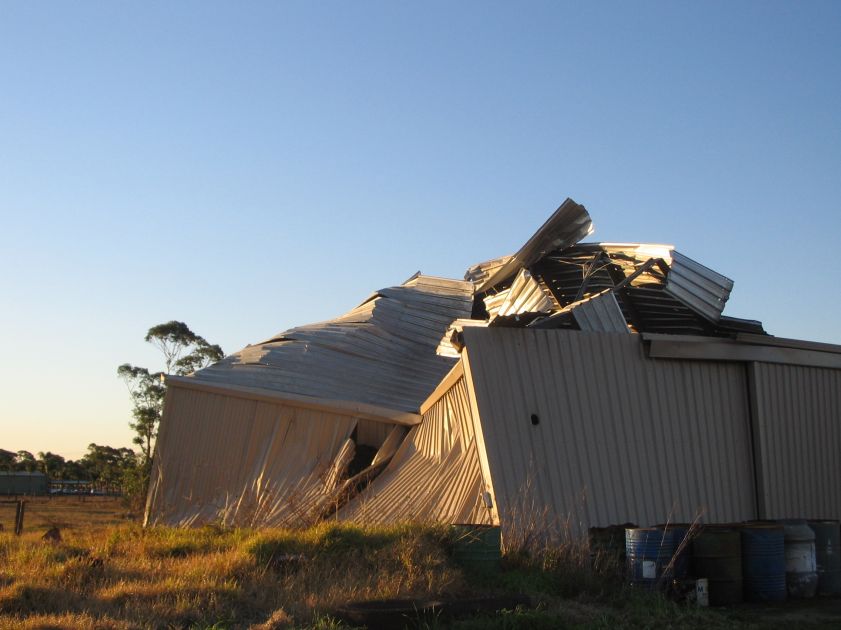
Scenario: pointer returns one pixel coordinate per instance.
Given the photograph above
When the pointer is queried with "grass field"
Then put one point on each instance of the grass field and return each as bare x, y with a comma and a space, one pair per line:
108, 572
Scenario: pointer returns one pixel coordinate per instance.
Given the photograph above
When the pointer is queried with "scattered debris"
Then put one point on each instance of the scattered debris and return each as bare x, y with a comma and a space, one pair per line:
52, 535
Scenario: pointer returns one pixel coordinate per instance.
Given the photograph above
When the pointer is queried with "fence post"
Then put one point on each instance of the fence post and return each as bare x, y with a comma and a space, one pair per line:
19, 512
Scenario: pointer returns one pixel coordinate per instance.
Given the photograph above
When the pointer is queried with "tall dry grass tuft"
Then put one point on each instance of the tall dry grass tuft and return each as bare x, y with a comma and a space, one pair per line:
538, 542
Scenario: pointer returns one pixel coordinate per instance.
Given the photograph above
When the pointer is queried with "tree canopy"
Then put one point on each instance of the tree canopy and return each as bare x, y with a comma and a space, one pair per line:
183, 352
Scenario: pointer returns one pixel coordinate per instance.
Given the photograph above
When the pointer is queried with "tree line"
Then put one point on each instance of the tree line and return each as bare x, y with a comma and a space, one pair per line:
101, 464
183, 352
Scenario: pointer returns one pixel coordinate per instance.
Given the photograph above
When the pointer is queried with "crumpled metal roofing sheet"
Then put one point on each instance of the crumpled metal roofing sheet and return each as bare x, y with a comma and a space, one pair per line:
679, 296
380, 353
700, 288
435, 474
568, 224
615, 436
598, 313
525, 295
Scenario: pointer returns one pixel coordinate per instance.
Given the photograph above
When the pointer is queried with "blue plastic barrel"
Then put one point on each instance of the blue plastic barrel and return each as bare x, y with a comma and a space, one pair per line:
683, 547
649, 552
764, 562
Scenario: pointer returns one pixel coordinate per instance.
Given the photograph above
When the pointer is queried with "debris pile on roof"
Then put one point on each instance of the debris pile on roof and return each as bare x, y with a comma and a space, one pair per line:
556, 282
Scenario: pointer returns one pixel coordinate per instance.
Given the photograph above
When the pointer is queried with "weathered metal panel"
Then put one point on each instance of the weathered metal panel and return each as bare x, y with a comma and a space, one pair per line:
600, 313
702, 289
435, 474
380, 353
798, 432
242, 462
586, 427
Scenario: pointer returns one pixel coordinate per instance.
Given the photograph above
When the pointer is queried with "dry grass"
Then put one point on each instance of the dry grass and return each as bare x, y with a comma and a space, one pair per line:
108, 572
89, 513
121, 576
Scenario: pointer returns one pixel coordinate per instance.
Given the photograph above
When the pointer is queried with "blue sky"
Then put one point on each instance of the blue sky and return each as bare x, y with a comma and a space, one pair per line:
247, 168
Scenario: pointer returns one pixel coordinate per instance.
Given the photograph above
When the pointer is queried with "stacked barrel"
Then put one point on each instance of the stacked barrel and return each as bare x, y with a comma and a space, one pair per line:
757, 561
764, 562
717, 556
827, 555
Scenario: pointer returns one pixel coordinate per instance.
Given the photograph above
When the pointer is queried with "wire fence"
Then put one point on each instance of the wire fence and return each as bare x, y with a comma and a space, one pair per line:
37, 514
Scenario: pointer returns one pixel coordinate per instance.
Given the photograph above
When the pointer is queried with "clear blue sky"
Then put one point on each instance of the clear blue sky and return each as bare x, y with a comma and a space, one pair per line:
249, 167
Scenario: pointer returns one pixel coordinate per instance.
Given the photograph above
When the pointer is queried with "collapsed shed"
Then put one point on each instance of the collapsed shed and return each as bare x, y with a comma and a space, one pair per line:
588, 383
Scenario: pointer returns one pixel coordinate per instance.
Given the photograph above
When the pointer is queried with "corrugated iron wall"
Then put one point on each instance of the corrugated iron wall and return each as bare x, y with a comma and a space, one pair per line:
435, 475
585, 426
240, 461
372, 433
798, 438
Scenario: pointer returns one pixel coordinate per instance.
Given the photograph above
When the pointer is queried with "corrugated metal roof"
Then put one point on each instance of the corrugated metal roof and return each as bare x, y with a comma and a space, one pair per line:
381, 353
567, 225
595, 432
478, 273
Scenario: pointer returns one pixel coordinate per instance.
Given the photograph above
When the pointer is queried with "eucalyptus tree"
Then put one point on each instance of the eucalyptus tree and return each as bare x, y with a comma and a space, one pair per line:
183, 352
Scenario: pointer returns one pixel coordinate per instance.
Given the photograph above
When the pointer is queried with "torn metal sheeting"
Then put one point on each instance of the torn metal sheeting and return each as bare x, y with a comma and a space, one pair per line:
658, 289
597, 313
450, 345
477, 274
700, 288
525, 295
568, 224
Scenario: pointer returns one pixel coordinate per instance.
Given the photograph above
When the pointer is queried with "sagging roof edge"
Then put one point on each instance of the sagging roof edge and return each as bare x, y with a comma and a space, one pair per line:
443, 387
347, 407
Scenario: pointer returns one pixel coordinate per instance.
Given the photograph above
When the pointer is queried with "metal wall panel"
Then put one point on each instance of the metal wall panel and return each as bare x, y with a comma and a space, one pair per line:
240, 461
798, 436
434, 476
619, 437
